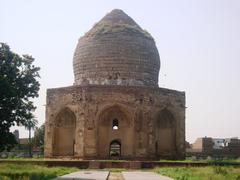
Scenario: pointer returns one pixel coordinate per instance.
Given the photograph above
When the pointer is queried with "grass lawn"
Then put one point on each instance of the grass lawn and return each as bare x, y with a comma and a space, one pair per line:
201, 173
204, 161
31, 172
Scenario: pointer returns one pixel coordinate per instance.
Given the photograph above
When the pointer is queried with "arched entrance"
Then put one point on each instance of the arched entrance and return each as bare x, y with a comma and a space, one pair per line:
115, 149
115, 133
165, 143
64, 133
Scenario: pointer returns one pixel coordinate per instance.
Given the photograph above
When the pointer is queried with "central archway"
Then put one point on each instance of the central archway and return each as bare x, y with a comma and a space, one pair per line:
115, 133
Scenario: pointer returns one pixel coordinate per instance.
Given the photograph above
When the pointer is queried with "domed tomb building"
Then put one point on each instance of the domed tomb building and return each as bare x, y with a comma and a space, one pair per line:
115, 108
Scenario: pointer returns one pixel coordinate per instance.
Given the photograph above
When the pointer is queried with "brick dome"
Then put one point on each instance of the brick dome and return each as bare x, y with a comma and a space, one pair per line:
116, 51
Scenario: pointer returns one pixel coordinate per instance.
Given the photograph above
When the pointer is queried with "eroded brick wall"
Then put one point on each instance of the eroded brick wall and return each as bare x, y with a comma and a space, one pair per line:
140, 108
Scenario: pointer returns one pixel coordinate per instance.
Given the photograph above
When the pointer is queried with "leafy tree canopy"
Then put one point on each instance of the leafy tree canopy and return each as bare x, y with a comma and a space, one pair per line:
18, 86
38, 139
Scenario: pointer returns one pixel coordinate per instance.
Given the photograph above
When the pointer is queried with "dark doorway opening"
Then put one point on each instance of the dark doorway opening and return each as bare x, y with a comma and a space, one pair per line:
115, 149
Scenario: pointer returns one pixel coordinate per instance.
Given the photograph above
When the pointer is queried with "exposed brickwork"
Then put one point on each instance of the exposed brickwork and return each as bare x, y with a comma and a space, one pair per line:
116, 66
112, 53
140, 105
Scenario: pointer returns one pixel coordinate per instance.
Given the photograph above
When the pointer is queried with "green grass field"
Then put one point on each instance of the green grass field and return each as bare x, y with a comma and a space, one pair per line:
201, 173
31, 172
26, 171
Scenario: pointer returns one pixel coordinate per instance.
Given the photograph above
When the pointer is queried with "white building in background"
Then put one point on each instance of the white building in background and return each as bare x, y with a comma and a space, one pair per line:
229, 140
219, 143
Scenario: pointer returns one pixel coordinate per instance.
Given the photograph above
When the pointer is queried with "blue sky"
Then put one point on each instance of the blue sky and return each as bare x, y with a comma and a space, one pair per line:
198, 42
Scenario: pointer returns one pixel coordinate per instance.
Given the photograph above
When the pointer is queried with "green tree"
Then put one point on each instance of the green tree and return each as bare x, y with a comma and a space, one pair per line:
38, 139
18, 86
30, 125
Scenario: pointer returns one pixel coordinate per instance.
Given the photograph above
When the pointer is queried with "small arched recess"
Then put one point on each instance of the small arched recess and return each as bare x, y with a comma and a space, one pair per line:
115, 149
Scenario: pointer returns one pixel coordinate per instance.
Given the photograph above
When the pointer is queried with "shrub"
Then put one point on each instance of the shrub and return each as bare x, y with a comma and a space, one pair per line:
220, 170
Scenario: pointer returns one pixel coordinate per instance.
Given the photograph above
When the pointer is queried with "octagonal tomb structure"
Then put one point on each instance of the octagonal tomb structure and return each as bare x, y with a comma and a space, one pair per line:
115, 109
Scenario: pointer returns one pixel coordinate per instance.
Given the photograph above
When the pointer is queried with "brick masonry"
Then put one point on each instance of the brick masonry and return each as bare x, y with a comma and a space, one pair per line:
116, 66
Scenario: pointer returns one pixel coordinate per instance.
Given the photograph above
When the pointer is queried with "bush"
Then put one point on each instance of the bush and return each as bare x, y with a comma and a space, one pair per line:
220, 170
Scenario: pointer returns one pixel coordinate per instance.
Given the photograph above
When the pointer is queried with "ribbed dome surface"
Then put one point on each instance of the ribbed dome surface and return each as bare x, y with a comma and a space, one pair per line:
116, 51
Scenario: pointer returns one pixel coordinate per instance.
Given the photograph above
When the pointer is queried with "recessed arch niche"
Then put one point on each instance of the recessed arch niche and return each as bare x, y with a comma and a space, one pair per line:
165, 143
107, 134
64, 133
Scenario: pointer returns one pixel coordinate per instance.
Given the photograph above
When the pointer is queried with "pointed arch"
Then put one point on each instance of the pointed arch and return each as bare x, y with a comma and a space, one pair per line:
165, 144
65, 118
115, 123
165, 119
64, 133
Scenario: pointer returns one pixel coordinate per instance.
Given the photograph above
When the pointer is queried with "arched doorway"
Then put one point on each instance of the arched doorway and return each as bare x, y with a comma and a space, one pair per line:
165, 144
64, 133
115, 133
115, 149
